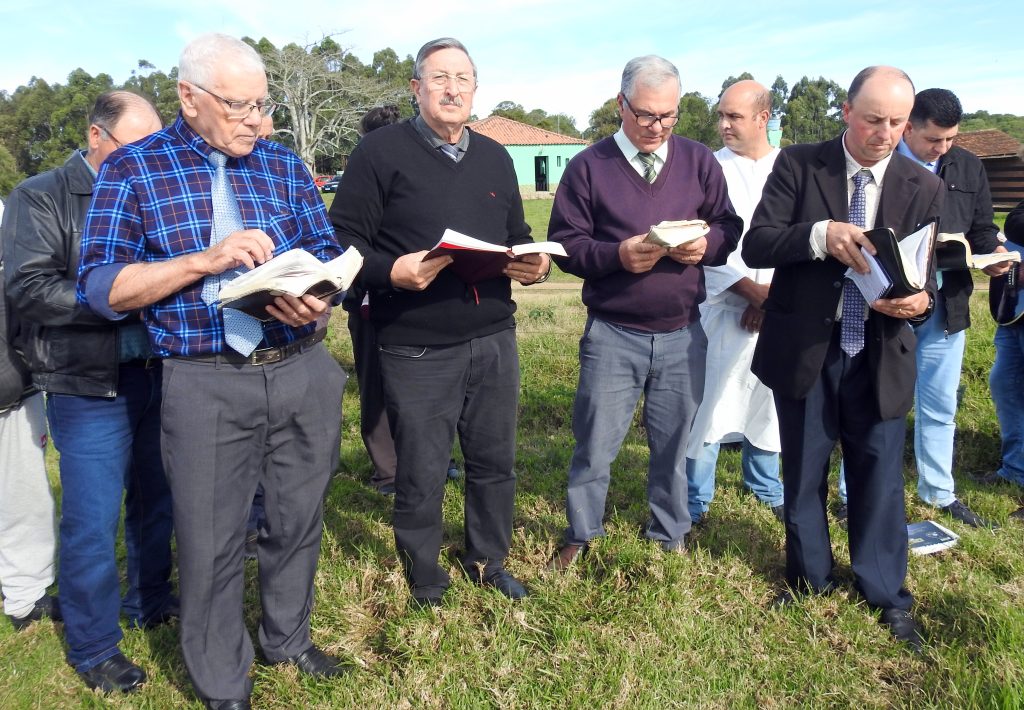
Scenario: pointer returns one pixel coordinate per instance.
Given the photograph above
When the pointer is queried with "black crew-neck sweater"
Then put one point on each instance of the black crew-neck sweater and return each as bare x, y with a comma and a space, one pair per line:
397, 196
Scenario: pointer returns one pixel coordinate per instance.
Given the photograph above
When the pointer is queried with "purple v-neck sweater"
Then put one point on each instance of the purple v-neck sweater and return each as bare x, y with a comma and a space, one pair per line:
602, 201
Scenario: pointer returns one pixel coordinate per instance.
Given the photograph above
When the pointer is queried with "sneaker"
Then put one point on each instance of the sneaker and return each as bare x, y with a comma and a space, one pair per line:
965, 515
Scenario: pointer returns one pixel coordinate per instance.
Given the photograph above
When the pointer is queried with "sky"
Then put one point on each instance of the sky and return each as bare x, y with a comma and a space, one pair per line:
562, 57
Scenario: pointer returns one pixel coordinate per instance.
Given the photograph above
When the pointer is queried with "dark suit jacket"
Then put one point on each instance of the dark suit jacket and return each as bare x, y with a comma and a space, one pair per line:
809, 184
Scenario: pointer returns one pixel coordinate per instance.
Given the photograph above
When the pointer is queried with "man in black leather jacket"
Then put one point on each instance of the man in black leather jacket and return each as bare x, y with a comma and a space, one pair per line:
103, 406
27, 540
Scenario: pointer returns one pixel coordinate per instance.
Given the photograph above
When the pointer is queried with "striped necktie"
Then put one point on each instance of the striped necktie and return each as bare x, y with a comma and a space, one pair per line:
650, 174
242, 332
851, 334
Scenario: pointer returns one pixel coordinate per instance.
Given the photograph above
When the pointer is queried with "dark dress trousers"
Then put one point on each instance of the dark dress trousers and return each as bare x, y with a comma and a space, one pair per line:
822, 394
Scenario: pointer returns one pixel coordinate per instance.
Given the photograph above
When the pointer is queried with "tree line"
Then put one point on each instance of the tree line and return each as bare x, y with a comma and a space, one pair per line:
323, 90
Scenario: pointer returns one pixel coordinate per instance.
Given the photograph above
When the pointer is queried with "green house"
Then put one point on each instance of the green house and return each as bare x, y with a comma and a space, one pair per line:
539, 156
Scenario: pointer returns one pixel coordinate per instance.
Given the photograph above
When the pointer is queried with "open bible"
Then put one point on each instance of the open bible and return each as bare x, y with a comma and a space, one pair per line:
952, 251
294, 273
672, 234
900, 267
474, 260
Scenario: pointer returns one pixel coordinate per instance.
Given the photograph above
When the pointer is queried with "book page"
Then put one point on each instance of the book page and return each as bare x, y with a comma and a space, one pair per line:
874, 284
672, 234
982, 261
915, 249
539, 248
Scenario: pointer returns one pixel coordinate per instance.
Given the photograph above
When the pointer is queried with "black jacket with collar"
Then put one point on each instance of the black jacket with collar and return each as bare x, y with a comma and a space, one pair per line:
69, 349
967, 209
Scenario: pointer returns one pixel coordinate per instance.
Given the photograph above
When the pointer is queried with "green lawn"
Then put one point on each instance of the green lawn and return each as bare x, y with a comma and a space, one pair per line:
632, 627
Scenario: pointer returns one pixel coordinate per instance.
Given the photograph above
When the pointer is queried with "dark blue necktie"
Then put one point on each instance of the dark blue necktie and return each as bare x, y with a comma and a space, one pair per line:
851, 334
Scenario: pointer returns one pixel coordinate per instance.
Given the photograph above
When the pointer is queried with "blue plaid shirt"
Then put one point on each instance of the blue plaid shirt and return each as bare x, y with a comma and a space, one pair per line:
152, 202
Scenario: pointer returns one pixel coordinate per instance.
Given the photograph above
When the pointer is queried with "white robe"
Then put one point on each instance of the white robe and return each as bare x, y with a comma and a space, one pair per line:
736, 404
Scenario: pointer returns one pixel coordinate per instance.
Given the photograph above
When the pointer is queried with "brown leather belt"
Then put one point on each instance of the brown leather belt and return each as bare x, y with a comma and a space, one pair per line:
264, 356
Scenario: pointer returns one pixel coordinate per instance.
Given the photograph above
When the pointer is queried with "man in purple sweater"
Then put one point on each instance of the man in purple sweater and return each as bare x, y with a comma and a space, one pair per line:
643, 333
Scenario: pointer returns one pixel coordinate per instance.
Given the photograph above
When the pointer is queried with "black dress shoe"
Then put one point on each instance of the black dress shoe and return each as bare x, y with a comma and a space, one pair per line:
171, 610
315, 662
500, 580
1018, 514
242, 704
115, 673
902, 625
779, 512
45, 606
783, 600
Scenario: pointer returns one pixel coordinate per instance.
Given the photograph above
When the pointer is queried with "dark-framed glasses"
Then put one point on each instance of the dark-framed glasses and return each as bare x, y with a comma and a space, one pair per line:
239, 110
646, 120
439, 80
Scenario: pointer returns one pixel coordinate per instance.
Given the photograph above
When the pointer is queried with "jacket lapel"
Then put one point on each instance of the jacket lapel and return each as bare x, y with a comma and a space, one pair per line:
830, 177
898, 190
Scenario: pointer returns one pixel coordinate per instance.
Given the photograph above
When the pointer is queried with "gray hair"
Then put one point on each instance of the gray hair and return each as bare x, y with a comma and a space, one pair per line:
202, 56
435, 45
651, 71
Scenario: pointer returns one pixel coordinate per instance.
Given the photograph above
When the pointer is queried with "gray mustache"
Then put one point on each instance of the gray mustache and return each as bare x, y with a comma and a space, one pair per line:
451, 101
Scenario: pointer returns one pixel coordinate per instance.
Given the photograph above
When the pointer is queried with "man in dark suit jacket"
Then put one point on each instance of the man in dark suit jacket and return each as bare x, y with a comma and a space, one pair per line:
823, 393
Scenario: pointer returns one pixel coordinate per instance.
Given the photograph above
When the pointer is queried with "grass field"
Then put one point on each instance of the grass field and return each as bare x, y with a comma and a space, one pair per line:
631, 627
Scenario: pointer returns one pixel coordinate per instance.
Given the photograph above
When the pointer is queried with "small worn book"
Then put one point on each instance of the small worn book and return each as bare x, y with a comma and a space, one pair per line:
295, 273
928, 536
474, 260
672, 234
900, 268
952, 252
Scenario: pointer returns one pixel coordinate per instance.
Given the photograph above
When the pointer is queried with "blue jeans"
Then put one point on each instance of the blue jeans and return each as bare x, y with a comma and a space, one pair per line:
760, 474
939, 358
109, 448
1006, 382
617, 365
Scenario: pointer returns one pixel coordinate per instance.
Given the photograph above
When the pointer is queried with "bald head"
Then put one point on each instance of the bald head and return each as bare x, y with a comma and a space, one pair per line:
743, 112
876, 111
118, 118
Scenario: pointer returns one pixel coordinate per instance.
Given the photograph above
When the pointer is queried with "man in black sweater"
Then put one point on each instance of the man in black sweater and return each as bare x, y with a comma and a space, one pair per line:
448, 349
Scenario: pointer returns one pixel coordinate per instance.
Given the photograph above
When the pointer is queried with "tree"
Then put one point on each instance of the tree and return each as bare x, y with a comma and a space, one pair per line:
604, 121
1005, 122
813, 112
9, 174
779, 91
561, 123
161, 89
697, 121
323, 92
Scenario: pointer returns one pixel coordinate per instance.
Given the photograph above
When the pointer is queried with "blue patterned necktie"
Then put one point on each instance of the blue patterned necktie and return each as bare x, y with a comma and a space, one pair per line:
650, 174
242, 332
451, 151
851, 334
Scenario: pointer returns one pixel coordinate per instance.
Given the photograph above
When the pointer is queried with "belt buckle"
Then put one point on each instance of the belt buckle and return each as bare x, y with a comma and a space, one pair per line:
267, 358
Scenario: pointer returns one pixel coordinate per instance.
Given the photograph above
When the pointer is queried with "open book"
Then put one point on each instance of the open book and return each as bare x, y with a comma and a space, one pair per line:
928, 536
295, 273
672, 234
900, 268
952, 251
474, 260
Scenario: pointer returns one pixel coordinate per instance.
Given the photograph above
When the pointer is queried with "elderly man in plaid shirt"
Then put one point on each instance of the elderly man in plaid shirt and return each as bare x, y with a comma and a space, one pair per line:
245, 402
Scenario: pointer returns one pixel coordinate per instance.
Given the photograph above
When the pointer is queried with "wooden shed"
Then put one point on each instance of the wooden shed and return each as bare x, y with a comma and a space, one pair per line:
1001, 155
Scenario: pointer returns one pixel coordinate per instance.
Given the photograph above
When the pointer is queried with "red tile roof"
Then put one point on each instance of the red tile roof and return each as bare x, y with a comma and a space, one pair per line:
989, 143
509, 132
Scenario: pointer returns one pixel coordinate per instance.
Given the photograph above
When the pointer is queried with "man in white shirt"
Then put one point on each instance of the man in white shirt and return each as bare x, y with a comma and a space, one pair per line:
736, 405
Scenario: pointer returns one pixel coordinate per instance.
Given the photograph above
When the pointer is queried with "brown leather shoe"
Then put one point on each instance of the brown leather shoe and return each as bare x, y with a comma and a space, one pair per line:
566, 557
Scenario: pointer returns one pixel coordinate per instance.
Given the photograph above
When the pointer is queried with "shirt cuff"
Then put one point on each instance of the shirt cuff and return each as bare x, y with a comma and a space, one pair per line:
97, 290
818, 249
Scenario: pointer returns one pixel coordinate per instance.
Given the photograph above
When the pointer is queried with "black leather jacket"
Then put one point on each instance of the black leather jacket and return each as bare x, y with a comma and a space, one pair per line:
968, 209
69, 349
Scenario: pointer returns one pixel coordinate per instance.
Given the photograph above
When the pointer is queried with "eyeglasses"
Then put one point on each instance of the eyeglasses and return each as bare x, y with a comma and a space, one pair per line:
646, 120
440, 80
240, 110
110, 136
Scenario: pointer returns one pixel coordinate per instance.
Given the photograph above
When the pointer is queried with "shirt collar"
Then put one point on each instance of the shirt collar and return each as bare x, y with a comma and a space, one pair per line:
193, 140
904, 149
435, 141
630, 151
853, 167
